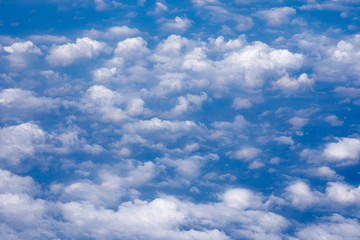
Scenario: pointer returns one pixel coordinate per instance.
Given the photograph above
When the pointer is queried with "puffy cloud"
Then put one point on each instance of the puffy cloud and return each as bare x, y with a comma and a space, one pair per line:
105, 103
287, 84
342, 193
20, 53
63, 55
324, 172
249, 66
242, 199
298, 122
189, 102
12, 183
276, 16
159, 9
20, 141
177, 25
240, 103
247, 153
109, 187
343, 149
15, 101
301, 196
334, 227
347, 92
131, 48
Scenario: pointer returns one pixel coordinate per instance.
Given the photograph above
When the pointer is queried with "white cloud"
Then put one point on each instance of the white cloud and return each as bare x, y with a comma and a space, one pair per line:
240, 103
178, 25
288, 84
63, 55
189, 102
285, 140
276, 16
159, 9
298, 122
324, 172
20, 53
347, 92
131, 48
301, 196
247, 153
242, 199
103, 102
12, 183
112, 33
343, 149
342, 193
334, 227
20, 141
15, 101
48, 39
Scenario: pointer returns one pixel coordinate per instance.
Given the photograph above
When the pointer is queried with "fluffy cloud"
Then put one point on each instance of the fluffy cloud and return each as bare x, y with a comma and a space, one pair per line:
301, 196
276, 16
334, 227
240, 103
177, 25
20, 141
131, 48
15, 101
63, 55
105, 103
189, 102
20, 53
247, 153
287, 84
343, 149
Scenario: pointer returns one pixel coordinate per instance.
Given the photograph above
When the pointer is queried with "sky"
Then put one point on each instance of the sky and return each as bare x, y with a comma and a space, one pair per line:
193, 119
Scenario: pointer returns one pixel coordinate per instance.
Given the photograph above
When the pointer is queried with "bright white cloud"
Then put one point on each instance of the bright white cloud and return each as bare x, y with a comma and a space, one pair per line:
189, 102
20, 141
247, 153
301, 196
63, 55
177, 25
20, 53
343, 149
112, 33
287, 84
131, 48
276, 16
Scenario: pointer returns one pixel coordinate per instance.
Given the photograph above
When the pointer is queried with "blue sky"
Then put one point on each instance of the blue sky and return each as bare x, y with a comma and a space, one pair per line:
199, 119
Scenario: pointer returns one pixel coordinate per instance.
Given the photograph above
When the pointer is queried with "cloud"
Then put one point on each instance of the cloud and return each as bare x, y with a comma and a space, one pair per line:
276, 16
131, 48
333, 120
48, 39
343, 149
189, 102
115, 32
103, 102
287, 84
285, 140
20, 53
334, 227
63, 55
298, 122
240, 103
247, 153
342, 193
301, 196
18, 102
20, 141
177, 25
242, 199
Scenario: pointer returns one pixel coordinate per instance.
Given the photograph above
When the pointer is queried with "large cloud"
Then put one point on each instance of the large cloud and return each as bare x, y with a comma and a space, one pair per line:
63, 55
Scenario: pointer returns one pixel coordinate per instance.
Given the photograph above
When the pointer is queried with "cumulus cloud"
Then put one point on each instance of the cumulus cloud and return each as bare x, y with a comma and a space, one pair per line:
276, 16
131, 48
20, 141
63, 55
298, 122
20, 53
240, 103
343, 149
287, 84
177, 25
301, 196
108, 105
17, 102
189, 102
247, 153
333, 120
